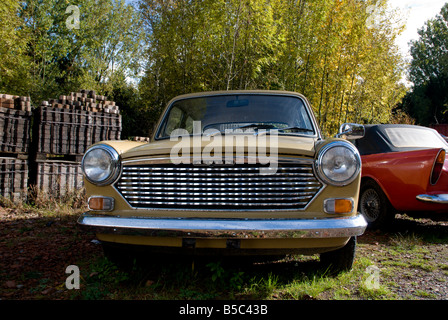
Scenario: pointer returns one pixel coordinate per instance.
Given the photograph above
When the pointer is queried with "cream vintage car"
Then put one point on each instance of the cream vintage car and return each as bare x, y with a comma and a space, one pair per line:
230, 173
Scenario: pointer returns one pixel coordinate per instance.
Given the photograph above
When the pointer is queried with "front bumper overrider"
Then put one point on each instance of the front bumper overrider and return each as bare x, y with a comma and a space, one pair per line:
337, 227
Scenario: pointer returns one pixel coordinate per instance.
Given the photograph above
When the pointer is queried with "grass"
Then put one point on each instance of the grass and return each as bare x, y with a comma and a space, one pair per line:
389, 266
282, 280
297, 277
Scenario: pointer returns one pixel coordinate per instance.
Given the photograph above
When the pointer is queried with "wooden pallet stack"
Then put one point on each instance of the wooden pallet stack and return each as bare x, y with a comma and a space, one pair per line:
13, 178
70, 124
63, 129
58, 177
15, 123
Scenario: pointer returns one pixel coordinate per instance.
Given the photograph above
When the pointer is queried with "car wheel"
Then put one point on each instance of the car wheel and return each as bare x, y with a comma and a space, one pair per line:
339, 260
121, 255
374, 205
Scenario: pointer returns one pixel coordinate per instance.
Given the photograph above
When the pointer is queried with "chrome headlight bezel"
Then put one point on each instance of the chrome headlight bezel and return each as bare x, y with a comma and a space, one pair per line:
114, 167
352, 163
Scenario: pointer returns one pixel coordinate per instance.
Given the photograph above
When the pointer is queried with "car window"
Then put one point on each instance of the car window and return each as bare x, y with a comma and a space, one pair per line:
415, 138
174, 120
227, 112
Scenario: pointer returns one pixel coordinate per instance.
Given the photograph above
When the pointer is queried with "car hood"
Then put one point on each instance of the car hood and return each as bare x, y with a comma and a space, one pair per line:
284, 145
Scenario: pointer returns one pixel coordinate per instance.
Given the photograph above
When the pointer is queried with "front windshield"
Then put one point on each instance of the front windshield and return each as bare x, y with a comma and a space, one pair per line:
245, 112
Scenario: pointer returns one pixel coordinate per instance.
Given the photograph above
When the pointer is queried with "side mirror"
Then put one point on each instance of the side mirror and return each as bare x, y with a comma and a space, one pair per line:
351, 131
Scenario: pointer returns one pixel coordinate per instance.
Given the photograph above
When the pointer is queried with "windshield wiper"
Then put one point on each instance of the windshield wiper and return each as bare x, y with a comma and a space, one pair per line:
270, 126
299, 129
267, 126
256, 126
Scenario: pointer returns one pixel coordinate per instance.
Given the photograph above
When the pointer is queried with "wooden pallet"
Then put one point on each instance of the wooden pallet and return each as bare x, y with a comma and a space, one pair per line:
13, 178
58, 178
85, 100
71, 132
48, 154
14, 130
71, 124
61, 131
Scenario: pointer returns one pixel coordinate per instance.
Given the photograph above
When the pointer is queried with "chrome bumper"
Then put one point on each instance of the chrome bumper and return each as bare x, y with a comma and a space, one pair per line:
433, 198
226, 228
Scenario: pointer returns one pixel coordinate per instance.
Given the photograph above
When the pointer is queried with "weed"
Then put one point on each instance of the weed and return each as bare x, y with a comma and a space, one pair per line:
103, 279
308, 287
425, 294
217, 271
230, 278
406, 241
236, 280
379, 293
264, 285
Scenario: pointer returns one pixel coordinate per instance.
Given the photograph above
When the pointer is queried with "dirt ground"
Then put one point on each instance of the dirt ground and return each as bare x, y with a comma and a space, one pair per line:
416, 250
36, 248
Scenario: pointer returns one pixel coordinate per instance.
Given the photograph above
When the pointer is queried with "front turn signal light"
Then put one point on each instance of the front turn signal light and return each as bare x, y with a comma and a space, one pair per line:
98, 203
338, 206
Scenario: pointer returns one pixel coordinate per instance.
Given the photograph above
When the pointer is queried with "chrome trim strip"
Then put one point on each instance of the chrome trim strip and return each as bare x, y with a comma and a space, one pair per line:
234, 159
205, 189
174, 184
230, 228
433, 198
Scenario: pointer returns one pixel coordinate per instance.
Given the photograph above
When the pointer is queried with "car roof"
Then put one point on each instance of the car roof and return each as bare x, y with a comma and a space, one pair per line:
376, 140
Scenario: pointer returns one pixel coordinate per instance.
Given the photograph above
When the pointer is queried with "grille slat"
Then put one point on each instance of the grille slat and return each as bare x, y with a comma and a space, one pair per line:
236, 187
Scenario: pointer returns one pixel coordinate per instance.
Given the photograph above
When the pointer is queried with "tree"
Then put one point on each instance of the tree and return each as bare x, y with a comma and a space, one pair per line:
325, 49
14, 63
205, 45
427, 101
347, 66
64, 57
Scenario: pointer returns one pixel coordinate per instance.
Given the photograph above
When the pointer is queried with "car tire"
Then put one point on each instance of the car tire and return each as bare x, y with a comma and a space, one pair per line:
339, 260
374, 205
121, 255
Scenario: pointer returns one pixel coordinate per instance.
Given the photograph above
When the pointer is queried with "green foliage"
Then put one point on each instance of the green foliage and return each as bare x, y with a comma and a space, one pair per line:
231, 278
348, 67
217, 271
47, 57
14, 63
338, 53
427, 102
104, 276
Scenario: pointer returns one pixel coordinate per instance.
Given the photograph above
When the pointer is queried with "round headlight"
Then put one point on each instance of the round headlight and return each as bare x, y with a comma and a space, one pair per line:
101, 164
338, 163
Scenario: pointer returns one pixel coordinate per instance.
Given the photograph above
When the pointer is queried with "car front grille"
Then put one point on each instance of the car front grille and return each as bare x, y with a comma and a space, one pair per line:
238, 187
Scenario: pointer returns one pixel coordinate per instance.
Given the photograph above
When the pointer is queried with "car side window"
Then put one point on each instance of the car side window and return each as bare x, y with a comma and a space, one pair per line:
174, 121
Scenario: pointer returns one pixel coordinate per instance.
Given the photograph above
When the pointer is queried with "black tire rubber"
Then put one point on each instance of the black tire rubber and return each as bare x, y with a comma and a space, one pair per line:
339, 260
374, 205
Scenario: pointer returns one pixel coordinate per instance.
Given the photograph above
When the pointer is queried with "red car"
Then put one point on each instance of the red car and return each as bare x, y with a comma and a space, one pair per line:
404, 169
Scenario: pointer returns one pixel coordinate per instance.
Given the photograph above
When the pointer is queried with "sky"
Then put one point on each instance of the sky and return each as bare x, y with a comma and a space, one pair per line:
416, 12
